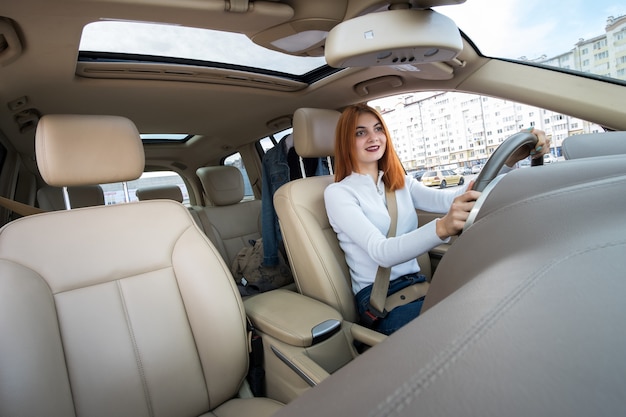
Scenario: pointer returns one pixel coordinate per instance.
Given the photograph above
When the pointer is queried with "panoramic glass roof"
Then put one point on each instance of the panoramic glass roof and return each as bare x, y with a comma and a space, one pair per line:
182, 42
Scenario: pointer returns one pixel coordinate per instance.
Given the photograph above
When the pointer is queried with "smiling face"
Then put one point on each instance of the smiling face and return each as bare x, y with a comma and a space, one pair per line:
371, 142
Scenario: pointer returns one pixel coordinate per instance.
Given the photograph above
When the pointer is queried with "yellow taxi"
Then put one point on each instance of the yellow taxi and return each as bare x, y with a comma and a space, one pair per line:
442, 178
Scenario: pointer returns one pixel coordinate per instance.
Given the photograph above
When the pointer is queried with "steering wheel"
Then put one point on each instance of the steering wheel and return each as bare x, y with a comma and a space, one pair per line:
501, 154
485, 180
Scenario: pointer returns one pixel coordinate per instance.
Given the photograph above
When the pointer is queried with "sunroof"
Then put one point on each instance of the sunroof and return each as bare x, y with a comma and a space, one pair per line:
164, 137
180, 42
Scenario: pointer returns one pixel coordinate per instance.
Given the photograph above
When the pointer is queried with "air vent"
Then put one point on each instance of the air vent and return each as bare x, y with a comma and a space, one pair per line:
168, 72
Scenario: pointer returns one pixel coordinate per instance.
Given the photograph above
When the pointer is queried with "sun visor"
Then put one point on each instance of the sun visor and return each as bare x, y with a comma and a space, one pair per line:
393, 37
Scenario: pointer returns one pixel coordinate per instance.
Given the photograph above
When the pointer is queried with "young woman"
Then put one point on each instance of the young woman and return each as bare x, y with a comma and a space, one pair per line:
366, 163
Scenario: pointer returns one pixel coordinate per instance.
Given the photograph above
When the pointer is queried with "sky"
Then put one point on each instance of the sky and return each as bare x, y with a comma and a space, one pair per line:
531, 28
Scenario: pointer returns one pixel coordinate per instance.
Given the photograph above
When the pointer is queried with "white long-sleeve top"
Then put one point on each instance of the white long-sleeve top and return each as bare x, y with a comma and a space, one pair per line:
357, 210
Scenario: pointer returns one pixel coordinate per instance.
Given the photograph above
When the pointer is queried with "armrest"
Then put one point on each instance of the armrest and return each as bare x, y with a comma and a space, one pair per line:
292, 317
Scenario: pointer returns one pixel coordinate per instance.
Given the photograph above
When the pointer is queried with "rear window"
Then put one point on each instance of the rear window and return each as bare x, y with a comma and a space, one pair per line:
114, 193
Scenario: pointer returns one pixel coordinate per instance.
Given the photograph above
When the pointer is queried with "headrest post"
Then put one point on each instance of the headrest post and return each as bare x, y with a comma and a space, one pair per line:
302, 170
329, 160
126, 194
66, 199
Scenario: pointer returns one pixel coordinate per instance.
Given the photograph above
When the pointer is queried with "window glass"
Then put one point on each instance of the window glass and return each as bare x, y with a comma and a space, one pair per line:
114, 193
583, 36
448, 130
154, 39
236, 161
269, 142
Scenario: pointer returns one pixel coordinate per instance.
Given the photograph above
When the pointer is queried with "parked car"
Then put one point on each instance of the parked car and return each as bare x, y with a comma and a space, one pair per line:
442, 178
463, 171
127, 309
549, 158
477, 168
419, 174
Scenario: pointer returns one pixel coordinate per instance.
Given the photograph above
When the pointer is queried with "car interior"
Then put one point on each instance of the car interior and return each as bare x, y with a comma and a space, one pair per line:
137, 165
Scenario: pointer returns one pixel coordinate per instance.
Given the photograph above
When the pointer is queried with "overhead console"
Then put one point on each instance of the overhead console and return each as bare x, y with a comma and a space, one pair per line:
422, 42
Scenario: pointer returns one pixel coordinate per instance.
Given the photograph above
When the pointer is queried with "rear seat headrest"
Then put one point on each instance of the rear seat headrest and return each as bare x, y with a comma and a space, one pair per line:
222, 184
314, 132
166, 192
85, 149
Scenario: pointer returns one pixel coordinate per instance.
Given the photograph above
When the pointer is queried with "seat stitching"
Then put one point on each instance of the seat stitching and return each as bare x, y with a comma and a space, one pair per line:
410, 390
138, 360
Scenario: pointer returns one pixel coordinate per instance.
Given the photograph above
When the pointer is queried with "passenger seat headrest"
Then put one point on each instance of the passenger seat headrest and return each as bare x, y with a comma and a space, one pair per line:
222, 184
314, 132
83, 149
155, 192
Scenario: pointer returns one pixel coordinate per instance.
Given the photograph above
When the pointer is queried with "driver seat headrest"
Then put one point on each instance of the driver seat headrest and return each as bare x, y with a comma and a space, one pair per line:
314, 132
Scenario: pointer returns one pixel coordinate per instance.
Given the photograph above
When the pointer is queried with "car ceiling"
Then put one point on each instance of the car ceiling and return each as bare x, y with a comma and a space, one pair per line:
43, 79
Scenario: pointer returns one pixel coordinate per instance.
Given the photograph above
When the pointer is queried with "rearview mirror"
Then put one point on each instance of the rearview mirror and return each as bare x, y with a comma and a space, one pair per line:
393, 37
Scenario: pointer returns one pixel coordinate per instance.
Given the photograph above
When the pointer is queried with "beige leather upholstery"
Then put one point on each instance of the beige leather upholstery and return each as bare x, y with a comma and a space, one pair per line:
317, 261
155, 192
51, 198
73, 159
231, 222
524, 314
110, 311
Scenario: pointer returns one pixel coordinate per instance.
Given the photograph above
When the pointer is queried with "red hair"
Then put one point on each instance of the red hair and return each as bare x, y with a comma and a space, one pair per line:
345, 148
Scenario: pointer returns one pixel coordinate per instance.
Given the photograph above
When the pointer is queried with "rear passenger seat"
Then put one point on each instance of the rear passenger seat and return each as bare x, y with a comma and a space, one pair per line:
168, 192
51, 198
230, 223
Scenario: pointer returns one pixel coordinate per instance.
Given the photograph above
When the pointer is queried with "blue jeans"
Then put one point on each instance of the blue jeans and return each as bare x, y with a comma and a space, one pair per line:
399, 316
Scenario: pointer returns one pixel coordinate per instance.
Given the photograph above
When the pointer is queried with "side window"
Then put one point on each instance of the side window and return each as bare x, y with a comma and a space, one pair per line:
450, 130
114, 193
269, 142
236, 161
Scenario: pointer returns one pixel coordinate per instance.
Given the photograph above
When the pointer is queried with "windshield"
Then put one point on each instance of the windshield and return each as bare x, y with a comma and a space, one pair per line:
584, 36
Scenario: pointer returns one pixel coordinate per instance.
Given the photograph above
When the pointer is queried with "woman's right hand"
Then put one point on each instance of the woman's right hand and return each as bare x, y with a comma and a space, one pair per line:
452, 223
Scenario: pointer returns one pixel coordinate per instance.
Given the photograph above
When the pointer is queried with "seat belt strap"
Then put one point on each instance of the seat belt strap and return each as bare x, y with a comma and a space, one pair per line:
19, 208
381, 282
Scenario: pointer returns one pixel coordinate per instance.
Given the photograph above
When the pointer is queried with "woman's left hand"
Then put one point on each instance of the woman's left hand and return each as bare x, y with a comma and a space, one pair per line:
542, 147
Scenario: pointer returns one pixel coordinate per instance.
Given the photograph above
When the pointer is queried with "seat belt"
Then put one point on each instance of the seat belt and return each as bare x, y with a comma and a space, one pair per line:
19, 208
379, 303
381, 282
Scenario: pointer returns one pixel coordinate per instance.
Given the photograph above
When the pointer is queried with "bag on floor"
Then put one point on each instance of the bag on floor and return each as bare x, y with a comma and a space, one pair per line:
252, 276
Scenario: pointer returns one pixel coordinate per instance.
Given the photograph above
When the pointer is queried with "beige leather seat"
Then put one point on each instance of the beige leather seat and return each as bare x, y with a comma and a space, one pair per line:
51, 198
230, 222
318, 263
156, 192
109, 311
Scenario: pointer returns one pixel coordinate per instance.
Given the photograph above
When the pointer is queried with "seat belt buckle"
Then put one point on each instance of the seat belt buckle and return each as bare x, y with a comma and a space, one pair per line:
372, 315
